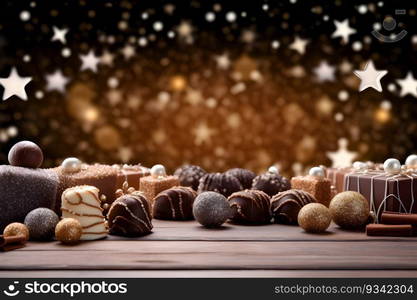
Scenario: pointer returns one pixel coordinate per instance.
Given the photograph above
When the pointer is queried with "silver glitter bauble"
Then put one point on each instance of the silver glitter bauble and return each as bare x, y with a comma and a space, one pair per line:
71, 165
392, 166
316, 172
158, 171
411, 161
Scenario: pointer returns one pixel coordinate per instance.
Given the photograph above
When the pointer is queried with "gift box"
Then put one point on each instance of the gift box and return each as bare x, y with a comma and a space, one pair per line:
337, 177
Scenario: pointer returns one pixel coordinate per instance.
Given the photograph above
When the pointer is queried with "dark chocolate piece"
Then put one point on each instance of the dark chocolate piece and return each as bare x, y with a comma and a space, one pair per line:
286, 205
389, 230
398, 218
130, 216
244, 176
189, 175
250, 206
25, 154
8, 243
222, 183
175, 203
271, 183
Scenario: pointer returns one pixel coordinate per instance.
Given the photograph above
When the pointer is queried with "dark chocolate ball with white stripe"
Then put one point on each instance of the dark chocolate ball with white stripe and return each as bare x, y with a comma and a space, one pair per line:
130, 215
271, 183
286, 205
175, 203
222, 183
244, 176
189, 175
250, 207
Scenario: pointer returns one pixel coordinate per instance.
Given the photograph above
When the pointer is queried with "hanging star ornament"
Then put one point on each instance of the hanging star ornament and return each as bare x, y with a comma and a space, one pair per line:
343, 30
14, 85
408, 85
59, 34
370, 77
342, 157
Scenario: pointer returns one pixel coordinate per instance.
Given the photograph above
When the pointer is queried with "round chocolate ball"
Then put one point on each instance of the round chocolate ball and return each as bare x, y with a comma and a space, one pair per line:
211, 209
68, 231
16, 229
189, 175
244, 176
271, 183
25, 154
41, 223
250, 207
175, 203
314, 217
349, 210
222, 183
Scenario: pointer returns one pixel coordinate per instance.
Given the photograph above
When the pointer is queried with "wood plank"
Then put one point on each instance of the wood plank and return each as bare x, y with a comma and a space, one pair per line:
215, 255
207, 273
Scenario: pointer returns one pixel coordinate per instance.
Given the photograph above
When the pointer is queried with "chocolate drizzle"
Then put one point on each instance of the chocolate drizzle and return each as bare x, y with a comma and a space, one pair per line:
175, 203
250, 206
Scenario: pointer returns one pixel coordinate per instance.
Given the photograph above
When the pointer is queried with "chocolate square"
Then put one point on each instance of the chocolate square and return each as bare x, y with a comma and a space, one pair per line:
152, 186
319, 187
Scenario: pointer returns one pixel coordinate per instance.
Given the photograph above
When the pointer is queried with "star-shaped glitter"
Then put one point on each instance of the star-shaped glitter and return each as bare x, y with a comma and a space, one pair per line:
223, 61
370, 77
14, 85
343, 30
342, 157
324, 72
299, 45
59, 34
89, 61
56, 81
107, 58
408, 85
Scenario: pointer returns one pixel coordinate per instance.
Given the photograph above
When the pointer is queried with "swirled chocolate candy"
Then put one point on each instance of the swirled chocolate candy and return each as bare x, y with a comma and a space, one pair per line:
189, 175
130, 215
271, 183
175, 203
250, 206
244, 176
222, 183
286, 205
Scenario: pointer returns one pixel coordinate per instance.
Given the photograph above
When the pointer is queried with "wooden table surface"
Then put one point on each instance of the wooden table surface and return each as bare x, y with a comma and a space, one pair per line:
185, 249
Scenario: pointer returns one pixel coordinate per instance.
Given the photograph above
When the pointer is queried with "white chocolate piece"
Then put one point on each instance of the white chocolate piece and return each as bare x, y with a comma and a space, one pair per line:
83, 203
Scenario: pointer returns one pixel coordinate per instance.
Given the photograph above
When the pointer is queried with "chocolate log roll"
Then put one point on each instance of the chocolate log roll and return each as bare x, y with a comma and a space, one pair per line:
398, 218
8, 243
389, 230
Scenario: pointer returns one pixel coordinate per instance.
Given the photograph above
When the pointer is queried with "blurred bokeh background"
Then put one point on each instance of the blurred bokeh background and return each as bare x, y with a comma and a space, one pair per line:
216, 83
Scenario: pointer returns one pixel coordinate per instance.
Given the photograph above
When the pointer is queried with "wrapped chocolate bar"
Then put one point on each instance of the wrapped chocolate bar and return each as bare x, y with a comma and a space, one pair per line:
392, 189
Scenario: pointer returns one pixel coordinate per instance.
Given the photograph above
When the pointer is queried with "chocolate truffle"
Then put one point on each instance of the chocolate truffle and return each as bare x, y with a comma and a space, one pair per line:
24, 189
211, 209
41, 223
286, 205
244, 176
250, 207
175, 203
68, 231
14, 229
271, 183
349, 210
25, 154
83, 203
314, 217
130, 215
222, 183
189, 175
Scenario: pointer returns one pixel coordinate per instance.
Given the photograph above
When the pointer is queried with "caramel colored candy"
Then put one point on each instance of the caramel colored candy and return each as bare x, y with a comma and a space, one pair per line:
314, 217
68, 231
14, 229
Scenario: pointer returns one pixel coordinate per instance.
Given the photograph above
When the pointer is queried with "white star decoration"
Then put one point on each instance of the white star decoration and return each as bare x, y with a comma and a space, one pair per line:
89, 61
342, 157
324, 72
56, 81
370, 77
408, 85
343, 30
299, 45
59, 34
14, 85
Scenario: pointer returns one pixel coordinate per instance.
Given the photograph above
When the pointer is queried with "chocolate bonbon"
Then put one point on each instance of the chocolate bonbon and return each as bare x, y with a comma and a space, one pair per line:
222, 183
189, 175
286, 205
244, 176
25, 154
41, 223
211, 209
83, 204
250, 206
175, 203
271, 183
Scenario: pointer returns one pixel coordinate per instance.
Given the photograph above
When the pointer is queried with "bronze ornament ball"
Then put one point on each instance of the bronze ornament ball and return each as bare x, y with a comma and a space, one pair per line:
314, 218
349, 210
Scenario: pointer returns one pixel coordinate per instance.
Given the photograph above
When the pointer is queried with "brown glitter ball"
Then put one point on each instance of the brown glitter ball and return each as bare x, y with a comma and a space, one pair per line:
349, 210
314, 217
16, 229
68, 231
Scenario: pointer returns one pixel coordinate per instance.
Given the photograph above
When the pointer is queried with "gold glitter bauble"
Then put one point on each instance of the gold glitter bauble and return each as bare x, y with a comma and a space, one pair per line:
107, 138
314, 217
349, 210
16, 229
68, 231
